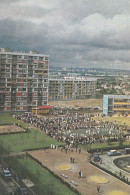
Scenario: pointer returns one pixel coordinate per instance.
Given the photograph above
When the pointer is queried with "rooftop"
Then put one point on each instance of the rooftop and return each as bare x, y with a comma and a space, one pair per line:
10, 51
118, 96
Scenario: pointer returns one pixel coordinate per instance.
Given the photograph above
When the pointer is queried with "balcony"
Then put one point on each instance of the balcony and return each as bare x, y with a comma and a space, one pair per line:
121, 109
121, 103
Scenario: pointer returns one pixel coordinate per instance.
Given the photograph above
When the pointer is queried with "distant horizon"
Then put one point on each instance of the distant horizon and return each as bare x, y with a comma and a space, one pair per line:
90, 68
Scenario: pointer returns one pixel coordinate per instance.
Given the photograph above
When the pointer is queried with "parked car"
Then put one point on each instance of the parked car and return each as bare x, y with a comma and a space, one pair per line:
126, 151
113, 153
6, 174
96, 157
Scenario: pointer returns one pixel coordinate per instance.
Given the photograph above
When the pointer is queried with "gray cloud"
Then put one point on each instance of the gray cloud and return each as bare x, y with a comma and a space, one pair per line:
84, 33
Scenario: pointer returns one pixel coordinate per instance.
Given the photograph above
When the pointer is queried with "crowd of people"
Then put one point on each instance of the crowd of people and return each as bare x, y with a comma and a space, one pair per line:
76, 128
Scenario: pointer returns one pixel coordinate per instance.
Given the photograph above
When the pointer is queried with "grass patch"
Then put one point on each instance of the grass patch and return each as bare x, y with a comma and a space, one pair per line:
105, 146
26, 141
5, 118
23, 141
45, 182
117, 120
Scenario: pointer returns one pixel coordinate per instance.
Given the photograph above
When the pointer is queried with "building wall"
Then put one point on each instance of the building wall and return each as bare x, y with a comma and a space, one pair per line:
72, 88
105, 105
23, 80
116, 104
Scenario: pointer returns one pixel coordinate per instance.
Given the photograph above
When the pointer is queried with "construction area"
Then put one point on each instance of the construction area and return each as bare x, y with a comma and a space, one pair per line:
78, 103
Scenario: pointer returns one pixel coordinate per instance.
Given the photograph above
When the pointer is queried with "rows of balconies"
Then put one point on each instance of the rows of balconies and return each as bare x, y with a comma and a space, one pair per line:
121, 103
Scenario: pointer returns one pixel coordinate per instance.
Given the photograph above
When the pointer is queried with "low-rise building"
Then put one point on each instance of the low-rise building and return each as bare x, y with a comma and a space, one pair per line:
116, 104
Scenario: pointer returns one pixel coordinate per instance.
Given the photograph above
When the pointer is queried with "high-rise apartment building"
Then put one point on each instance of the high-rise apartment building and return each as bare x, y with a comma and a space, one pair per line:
23, 80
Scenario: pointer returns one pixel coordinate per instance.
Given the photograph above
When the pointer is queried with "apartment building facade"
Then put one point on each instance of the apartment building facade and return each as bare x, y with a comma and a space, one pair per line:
23, 80
116, 104
72, 88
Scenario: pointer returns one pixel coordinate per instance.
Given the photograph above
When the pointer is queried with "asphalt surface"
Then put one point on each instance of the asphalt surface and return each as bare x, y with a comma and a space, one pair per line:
13, 185
107, 163
7, 187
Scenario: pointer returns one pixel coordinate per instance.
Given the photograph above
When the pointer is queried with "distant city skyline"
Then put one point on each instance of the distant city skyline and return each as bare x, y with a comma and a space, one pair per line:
75, 33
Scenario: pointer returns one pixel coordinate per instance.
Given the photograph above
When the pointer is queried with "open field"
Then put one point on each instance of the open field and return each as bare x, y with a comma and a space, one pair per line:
10, 129
78, 103
56, 158
118, 120
44, 182
34, 139
26, 141
5, 118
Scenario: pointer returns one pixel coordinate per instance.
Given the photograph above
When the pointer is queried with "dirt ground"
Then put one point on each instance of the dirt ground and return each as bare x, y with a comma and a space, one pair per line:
52, 158
10, 129
78, 103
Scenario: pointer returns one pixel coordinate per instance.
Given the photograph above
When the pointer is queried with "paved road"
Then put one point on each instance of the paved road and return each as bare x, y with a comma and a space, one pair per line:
11, 186
7, 187
107, 163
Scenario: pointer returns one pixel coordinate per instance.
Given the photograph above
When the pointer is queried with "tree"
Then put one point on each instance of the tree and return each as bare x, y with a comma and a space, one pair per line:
120, 141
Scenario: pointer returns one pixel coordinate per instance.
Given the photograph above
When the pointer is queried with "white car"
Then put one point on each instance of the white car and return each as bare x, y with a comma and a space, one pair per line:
113, 153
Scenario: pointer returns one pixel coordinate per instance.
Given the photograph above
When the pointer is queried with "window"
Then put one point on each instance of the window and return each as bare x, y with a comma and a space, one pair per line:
35, 84
44, 98
7, 94
19, 57
9, 56
35, 98
20, 89
7, 98
23, 98
35, 80
7, 75
8, 89
45, 80
8, 80
41, 58
19, 60
24, 71
19, 98
35, 57
7, 103
24, 75
25, 57
7, 65
7, 70
46, 58
35, 76
19, 75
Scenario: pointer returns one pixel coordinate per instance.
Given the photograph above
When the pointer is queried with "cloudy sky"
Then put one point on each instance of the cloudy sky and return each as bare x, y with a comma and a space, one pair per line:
74, 33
